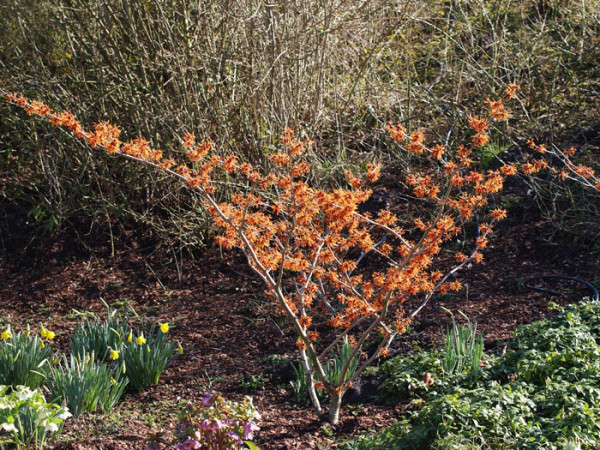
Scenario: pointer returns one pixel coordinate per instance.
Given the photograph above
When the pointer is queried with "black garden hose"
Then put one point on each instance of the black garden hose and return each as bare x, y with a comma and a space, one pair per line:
562, 277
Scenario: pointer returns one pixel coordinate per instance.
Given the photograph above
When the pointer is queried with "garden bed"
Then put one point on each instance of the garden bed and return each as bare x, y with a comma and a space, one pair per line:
234, 342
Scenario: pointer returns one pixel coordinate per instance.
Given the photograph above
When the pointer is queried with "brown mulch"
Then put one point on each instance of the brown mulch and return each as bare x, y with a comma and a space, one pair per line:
216, 309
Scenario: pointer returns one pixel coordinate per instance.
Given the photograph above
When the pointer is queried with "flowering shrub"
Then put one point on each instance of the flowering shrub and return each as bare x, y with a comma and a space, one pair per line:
303, 241
26, 416
567, 169
216, 423
24, 358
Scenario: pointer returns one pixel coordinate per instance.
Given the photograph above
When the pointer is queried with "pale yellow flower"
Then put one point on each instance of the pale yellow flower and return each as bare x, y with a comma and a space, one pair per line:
164, 327
140, 340
6, 334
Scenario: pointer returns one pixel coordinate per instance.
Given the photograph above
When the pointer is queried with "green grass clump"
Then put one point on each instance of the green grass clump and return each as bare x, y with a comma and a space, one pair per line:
463, 348
543, 393
85, 385
97, 337
145, 358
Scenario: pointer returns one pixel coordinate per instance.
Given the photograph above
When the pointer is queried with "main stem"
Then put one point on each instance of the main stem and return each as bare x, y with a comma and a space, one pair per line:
334, 407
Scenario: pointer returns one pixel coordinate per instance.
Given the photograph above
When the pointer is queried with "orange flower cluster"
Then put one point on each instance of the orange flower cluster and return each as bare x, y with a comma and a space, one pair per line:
480, 126
577, 172
497, 110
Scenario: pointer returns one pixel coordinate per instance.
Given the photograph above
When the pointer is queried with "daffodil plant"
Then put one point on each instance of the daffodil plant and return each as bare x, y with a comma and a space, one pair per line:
145, 357
85, 384
24, 358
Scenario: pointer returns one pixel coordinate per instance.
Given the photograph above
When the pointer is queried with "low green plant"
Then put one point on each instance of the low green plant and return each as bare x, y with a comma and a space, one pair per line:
24, 359
406, 376
490, 152
332, 369
543, 393
97, 337
145, 358
567, 347
85, 385
252, 383
28, 419
299, 384
463, 348
276, 360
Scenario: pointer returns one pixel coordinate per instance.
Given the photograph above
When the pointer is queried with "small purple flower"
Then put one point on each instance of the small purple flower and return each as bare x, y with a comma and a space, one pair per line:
217, 425
249, 428
205, 424
207, 399
235, 437
189, 444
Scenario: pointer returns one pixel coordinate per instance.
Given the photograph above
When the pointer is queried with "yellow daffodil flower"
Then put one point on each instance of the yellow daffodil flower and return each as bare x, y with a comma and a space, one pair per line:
164, 327
130, 336
114, 354
42, 345
179, 348
49, 335
140, 340
43, 332
6, 334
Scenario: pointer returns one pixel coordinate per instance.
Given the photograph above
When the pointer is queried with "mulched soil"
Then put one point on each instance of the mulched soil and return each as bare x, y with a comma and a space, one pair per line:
216, 308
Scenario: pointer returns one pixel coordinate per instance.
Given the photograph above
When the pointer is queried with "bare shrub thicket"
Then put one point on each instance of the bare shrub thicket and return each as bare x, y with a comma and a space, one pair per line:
239, 72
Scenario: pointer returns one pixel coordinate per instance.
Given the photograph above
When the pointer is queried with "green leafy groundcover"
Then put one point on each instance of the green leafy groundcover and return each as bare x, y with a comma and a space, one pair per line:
543, 393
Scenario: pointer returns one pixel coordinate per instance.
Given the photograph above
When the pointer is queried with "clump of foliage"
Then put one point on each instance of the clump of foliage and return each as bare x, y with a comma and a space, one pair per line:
413, 375
24, 358
28, 419
463, 348
96, 337
425, 374
543, 392
333, 370
85, 385
146, 357
216, 423
86, 381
